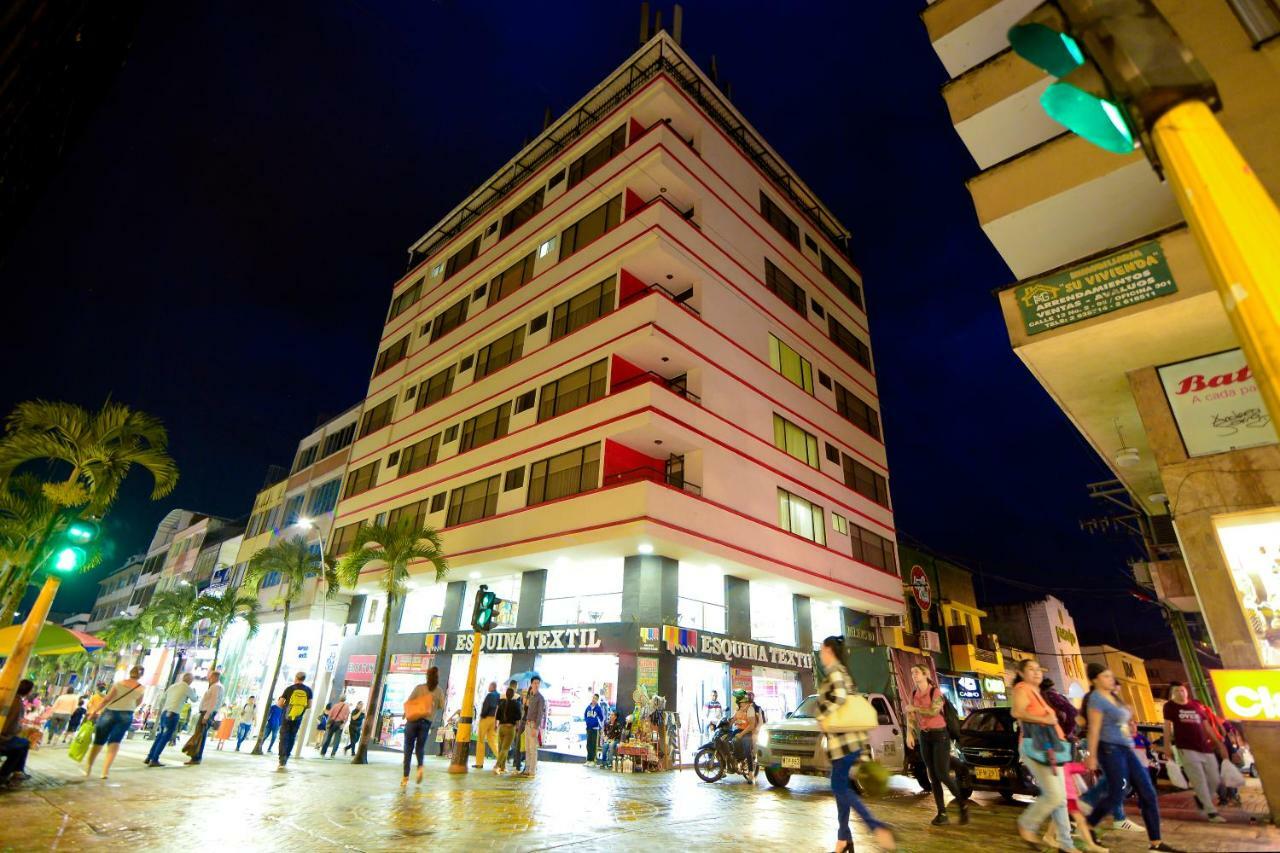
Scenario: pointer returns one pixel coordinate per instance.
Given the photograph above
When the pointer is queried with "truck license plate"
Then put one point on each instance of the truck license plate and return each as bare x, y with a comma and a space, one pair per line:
990, 773
791, 762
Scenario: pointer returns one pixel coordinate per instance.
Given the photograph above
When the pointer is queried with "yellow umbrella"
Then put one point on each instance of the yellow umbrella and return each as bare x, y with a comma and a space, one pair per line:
53, 640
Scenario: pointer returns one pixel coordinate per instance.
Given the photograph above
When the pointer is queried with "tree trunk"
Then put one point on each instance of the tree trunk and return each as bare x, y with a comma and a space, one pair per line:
179, 658
271, 694
217, 646
375, 691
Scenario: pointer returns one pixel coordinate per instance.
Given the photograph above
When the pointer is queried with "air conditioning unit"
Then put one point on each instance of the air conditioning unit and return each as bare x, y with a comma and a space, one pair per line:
894, 621
929, 641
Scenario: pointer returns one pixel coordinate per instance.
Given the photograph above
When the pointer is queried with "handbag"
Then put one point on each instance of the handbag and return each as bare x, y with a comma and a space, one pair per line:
1041, 744
418, 708
80, 743
854, 714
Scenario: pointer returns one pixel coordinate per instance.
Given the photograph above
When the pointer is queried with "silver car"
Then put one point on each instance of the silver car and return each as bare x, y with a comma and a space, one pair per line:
797, 746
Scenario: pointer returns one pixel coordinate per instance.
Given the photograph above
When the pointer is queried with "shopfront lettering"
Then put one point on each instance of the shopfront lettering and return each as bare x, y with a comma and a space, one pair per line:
555, 639
723, 647
1065, 635
1248, 695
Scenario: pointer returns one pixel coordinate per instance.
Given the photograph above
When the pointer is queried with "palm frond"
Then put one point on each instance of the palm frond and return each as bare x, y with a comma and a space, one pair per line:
392, 549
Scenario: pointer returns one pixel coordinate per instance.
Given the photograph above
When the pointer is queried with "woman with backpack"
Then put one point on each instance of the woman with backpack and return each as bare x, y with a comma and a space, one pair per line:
422, 703
1040, 741
926, 724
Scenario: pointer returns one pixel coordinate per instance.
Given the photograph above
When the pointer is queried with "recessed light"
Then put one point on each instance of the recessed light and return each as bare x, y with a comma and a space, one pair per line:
474, 575
645, 548
662, 189
670, 276
657, 441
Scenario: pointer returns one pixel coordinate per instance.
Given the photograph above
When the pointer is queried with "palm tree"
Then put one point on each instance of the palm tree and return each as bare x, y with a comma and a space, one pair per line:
174, 615
388, 551
124, 635
292, 561
25, 514
225, 610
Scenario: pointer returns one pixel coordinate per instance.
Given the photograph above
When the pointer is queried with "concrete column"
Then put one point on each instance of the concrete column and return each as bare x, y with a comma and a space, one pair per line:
533, 588
649, 591
737, 603
804, 638
453, 605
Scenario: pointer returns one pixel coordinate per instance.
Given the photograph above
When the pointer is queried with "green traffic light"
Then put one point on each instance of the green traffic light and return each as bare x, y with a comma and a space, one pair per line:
1052, 50
68, 559
82, 531
1095, 119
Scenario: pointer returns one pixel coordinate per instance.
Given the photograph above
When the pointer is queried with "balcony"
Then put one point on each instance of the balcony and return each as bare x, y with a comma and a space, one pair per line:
971, 653
965, 33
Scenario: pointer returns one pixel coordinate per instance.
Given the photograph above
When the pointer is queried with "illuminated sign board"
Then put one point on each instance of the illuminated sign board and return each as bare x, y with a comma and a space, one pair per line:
1248, 695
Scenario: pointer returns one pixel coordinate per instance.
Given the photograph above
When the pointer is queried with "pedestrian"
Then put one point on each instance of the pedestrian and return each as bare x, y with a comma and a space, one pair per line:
339, 713
844, 748
1111, 749
612, 735
593, 717
226, 725
517, 746
297, 699
926, 724
487, 736
1187, 727
114, 719
322, 726
1030, 708
1062, 707
172, 701
419, 708
274, 717
13, 747
715, 711
60, 714
532, 724
210, 703
744, 726
248, 713
354, 726
96, 700
77, 717
507, 716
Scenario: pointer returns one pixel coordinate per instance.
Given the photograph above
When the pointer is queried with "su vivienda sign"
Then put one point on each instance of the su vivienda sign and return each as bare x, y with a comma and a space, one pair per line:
1248, 695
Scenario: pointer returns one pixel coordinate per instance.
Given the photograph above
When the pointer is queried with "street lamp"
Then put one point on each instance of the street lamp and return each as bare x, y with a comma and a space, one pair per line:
309, 524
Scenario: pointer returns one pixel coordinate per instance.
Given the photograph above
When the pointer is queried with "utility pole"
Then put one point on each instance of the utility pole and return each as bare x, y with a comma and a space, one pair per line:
481, 622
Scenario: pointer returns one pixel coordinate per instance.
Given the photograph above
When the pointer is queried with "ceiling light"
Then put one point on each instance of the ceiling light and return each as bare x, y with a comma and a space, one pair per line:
474, 575
645, 548
1127, 457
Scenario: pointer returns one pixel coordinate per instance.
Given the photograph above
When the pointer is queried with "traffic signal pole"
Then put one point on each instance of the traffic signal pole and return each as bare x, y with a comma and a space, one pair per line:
1237, 225
462, 744
17, 662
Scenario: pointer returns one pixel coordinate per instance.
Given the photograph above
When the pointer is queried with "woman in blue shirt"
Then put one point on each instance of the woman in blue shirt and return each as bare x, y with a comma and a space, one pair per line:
1111, 748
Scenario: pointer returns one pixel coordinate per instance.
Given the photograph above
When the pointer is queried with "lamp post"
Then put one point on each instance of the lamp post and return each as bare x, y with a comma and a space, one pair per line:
309, 524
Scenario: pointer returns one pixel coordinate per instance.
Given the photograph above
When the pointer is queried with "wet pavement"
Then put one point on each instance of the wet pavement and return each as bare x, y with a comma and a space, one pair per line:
236, 801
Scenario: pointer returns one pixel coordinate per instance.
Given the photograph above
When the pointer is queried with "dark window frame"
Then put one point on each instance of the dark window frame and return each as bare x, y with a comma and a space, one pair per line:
362, 479
449, 319
587, 479
459, 259
554, 401
592, 303
485, 428
778, 218
378, 416
848, 342
842, 280
431, 391
419, 455
522, 212
466, 496
782, 286
498, 354
392, 355
596, 156
573, 238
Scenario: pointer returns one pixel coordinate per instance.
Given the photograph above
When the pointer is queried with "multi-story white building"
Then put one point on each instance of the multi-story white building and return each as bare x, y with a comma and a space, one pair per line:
115, 594
630, 378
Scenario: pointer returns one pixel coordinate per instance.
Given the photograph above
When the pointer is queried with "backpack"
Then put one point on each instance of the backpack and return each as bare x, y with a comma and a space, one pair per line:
951, 718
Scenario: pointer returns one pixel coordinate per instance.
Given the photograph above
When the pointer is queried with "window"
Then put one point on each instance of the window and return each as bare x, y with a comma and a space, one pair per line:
392, 355
595, 224
521, 213
462, 257
779, 220
565, 474
1260, 18
500, 353
436, 270
306, 457
410, 393
450, 319
599, 154
424, 329
556, 180
587, 306
791, 364
818, 310
1128, 669
545, 248
849, 342
840, 523
375, 614
856, 412
801, 517
362, 479
419, 455
864, 481
784, 288
795, 441
514, 479
493, 226
773, 613
343, 539
423, 609
435, 388
324, 498
841, 280
810, 244
583, 592
450, 434
479, 293
474, 501
579, 388
377, 417
437, 502
484, 428
833, 453
465, 364
872, 549
537, 324
700, 597
824, 380
525, 401
511, 279
412, 515
407, 297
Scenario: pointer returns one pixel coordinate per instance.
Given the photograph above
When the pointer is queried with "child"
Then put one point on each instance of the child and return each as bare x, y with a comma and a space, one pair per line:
73, 724
1072, 772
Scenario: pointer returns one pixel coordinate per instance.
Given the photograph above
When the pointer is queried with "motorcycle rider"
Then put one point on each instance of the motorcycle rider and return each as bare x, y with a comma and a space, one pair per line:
745, 723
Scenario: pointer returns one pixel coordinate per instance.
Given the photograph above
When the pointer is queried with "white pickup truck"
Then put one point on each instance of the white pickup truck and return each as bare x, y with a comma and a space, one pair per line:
795, 745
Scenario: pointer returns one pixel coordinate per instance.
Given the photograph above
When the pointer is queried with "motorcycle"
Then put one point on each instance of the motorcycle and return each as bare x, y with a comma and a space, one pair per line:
720, 757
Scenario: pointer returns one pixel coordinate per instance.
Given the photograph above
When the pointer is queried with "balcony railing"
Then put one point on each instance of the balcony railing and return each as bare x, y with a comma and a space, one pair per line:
988, 642
636, 475
681, 299
678, 385
985, 655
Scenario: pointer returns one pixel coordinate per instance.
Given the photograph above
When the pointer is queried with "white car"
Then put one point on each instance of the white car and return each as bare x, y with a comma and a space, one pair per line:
797, 746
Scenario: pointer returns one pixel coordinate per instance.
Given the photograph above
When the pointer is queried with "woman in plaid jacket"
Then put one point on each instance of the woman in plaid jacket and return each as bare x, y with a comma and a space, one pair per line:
843, 748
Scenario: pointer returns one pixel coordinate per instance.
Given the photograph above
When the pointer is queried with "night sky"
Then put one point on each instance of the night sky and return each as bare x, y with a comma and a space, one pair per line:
219, 246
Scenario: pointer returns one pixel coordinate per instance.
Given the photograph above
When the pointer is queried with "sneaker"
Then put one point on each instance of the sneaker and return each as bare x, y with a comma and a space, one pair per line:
192, 761
1127, 825
1217, 818
279, 768
940, 819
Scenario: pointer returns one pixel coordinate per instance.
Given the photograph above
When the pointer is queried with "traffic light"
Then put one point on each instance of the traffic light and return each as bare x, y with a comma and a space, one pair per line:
1119, 64
67, 551
482, 615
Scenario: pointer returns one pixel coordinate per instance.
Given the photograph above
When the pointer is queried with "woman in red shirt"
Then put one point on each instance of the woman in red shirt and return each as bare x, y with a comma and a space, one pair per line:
926, 724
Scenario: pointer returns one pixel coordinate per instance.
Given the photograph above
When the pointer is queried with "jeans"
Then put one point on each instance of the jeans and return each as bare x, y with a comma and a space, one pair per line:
745, 745
1052, 802
506, 736
846, 797
415, 740
935, 750
210, 720
242, 732
332, 735
164, 733
273, 729
1202, 773
354, 733
288, 734
517, 751
606, 752
593, 738
1095, 795
1122, 767
532, 740
15, 751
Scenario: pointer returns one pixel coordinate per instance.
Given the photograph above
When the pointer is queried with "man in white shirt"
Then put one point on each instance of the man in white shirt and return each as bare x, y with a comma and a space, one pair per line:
175, 696
209, 705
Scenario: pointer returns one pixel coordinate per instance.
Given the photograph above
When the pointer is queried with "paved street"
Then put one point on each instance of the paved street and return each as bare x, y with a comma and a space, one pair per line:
238, 802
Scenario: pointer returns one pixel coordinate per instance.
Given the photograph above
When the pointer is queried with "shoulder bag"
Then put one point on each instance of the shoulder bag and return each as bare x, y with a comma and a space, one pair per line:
854, 714
419, 707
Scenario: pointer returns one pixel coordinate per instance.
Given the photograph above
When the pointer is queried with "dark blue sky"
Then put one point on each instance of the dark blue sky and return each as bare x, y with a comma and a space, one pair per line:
219, 246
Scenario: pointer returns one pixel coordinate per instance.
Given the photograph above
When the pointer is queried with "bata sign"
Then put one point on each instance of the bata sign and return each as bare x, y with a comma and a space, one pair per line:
555, 639
1248, 695
1216, 403
723, 647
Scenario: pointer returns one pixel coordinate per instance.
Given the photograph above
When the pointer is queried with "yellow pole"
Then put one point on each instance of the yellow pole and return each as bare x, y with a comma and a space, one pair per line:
1237, 225
462, 745
17, 662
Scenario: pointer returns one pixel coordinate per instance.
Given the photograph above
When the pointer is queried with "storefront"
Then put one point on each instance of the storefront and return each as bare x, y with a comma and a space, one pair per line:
703, 699
1251, 544
568, 682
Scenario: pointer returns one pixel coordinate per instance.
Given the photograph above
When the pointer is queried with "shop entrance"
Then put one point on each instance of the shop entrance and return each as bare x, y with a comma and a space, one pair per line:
777, 691
488, 668
568, 682
696, 680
